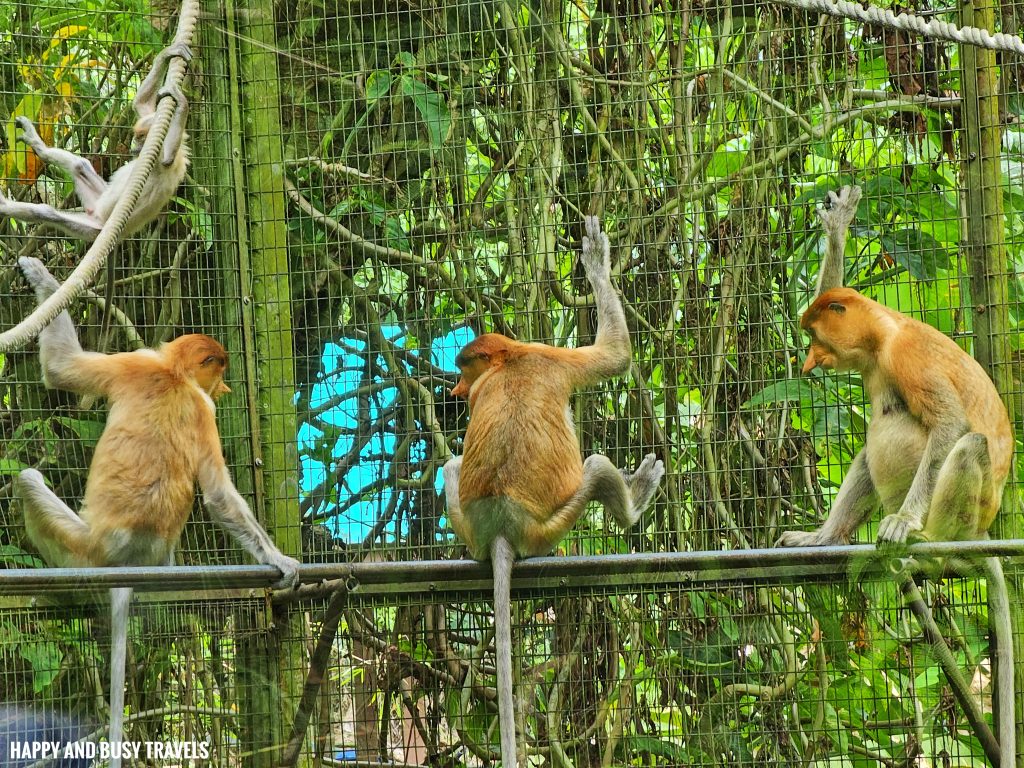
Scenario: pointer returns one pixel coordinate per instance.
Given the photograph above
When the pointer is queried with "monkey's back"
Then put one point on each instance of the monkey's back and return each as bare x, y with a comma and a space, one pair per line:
521, 444
143, 474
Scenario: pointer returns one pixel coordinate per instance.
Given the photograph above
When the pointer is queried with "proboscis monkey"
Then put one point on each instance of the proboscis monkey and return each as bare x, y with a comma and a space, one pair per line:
521, 482
939, 444
160, 441
98, 197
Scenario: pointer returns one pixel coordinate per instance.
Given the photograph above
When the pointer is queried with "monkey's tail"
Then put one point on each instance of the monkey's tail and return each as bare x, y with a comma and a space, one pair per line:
1002, 631
502, 557
120, 603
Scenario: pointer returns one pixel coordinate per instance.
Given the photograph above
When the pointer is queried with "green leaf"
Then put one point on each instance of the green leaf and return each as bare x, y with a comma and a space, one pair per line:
787, 390
17, 152
87, 430
44, 658
11, 467
406, 60
673, 753
432, 108
927, 679
727, 161
378, 85
920, 253
18, 558
199, 218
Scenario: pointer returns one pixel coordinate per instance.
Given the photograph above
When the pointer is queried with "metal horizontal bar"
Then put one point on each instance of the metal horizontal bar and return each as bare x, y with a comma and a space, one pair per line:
453, 575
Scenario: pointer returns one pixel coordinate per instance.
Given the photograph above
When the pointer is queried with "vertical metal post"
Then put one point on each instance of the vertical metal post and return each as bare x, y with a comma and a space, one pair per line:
267, 336
986, 257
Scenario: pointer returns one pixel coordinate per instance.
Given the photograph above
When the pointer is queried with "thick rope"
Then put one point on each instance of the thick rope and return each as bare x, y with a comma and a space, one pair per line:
95, 258
906, 22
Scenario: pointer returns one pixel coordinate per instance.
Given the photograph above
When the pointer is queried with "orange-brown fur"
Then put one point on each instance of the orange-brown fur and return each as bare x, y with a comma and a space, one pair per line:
144, 470
937, 455
939, 443
521, 484
932, 375
508, 450
160, 441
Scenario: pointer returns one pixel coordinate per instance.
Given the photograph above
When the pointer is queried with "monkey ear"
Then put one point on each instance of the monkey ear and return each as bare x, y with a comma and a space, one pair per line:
836, 307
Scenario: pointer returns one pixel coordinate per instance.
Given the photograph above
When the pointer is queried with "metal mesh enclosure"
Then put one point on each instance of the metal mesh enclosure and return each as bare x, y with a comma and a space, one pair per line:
669, 675
734, 668
372, 185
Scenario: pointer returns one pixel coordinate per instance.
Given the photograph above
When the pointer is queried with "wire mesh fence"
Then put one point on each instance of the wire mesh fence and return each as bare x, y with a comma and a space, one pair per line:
816, 668
374, 184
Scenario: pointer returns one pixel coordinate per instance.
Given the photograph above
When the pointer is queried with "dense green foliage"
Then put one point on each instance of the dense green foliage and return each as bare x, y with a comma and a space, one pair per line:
438, 160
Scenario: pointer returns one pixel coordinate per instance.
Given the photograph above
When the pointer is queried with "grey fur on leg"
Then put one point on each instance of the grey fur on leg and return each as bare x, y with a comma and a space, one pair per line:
38, 277
643, 483
856, 500
451, 472
89, 185
624, 495
74, 223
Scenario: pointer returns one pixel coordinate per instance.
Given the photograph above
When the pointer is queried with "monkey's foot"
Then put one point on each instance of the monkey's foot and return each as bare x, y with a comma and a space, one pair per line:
808, 539
177, 51
897, 528
840, 208
643, 483
38, 277
596, 255
174, 92
28, 134
289, 568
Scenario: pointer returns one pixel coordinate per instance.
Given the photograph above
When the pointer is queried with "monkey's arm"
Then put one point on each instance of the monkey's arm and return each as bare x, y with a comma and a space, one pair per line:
65, 364
857, 498
230, 510
611, 352
835, 220
147, 95
150, 92
925, 385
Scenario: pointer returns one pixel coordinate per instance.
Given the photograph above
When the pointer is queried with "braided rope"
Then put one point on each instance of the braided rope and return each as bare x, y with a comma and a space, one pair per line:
906, 22
95, 258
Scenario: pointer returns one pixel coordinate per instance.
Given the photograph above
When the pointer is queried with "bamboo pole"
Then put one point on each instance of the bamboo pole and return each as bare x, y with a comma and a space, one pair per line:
987, 264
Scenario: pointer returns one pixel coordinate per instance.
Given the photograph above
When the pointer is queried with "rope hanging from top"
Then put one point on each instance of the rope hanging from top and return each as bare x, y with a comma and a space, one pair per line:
95, 258
908, 22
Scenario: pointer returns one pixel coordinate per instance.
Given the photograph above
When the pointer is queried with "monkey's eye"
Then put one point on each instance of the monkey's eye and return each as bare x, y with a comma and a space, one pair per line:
836, 307
208, 360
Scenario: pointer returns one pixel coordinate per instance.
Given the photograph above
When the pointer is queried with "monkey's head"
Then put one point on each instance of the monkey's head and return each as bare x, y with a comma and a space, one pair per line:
844, 329
201, 358
482, 354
